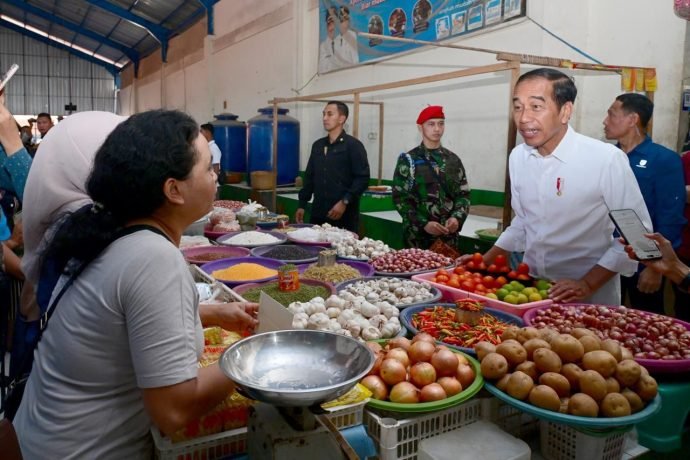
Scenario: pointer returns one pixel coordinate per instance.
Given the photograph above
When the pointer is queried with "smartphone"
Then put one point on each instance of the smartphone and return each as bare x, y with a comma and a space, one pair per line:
9, 74
633, 230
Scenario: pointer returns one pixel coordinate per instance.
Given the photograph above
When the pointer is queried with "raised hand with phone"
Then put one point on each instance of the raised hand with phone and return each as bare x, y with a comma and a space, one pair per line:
14, 158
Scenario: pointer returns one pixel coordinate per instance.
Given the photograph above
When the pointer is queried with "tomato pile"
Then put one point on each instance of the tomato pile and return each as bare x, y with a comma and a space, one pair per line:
647, 335
461, 278
441, 323
410, 260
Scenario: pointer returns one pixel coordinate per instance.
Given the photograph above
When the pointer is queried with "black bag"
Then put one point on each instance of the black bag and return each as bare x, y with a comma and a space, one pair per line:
15, 390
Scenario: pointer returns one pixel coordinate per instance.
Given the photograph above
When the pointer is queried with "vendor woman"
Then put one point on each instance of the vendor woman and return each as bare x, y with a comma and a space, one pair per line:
430, 187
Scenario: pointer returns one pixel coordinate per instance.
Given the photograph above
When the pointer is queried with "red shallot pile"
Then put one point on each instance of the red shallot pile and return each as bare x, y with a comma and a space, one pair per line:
647, 335
410, 260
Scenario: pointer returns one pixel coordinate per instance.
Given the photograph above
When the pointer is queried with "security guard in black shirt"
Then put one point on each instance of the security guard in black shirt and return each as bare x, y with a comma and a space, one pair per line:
337, 174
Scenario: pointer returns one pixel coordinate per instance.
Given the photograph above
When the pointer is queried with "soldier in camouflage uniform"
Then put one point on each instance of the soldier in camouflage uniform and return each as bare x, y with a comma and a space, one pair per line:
430, 187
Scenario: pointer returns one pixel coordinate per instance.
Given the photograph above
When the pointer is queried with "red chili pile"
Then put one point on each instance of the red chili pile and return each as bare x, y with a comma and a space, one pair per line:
647, 335
441, 323
410, 260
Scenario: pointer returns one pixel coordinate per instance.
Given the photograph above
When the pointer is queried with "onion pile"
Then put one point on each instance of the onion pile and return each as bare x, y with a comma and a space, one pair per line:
647, 335
410, 260
409, 372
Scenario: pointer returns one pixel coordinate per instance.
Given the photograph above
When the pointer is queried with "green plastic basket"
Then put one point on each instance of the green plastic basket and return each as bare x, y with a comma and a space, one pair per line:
459, 398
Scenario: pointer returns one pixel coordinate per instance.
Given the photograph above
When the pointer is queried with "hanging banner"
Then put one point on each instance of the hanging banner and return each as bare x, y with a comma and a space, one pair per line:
428, 20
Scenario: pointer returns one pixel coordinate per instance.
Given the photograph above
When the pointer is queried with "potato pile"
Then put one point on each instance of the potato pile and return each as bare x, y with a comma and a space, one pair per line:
576, 374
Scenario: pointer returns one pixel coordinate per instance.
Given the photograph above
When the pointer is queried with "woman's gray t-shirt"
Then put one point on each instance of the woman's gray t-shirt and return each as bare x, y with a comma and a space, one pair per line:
129, 321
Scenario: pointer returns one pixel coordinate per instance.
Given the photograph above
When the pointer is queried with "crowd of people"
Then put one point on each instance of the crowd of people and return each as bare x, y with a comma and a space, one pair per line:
103, 193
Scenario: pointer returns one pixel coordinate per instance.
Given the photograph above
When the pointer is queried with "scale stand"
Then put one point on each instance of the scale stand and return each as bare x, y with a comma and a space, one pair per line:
289, 433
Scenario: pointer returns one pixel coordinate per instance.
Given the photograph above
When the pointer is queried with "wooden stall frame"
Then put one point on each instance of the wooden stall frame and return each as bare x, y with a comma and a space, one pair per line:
511, 61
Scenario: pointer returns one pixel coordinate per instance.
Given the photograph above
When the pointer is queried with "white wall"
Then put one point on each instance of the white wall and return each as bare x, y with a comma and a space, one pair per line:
263, 50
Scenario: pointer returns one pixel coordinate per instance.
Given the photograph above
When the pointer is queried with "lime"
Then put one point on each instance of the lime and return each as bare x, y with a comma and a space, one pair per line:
530, 290
543, 285
501, 293
517, 286
522, 298
544, 294
534, 297
491, 295
510, 298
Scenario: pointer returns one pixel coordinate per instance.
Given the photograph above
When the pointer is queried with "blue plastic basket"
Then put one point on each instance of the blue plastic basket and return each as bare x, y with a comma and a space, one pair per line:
407, 313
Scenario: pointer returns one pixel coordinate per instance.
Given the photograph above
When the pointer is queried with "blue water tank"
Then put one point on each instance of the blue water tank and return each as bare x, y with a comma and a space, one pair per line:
260, 145
231, 137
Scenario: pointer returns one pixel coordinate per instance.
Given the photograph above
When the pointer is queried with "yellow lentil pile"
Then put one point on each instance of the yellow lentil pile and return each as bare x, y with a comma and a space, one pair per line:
336, 273
244, 272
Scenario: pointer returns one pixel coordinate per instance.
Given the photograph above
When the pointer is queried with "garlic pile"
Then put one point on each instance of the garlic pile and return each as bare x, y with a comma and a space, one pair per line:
365, 248
347, 314
397, 291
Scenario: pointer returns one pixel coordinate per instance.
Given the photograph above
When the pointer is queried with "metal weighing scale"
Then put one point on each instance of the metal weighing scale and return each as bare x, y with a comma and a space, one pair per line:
290, 373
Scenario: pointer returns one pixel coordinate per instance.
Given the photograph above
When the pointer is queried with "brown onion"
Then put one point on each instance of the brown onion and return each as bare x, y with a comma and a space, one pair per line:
432, 392
375, 347
404, 392
424, 336
465, 374
377, 365
377, 386
400, 355
422, 374
392, 371
451, 385
445, 362
421, 351
400, 342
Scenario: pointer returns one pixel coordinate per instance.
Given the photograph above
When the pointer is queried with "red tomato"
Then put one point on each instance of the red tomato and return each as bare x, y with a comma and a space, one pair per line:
479, 288
442, 278
477, 258
504, 269
454, 283
523, 277
512, 274
467, 285
441, 271
471, 265
488, 281
481, 266
501, 260
493, 268
500, 281
523, 269
459, 270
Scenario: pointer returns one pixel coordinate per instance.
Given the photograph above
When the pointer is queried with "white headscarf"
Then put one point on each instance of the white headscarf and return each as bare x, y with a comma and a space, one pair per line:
57, 179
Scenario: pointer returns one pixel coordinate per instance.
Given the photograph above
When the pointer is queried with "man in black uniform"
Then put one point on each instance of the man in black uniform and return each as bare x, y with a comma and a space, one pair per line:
337, 174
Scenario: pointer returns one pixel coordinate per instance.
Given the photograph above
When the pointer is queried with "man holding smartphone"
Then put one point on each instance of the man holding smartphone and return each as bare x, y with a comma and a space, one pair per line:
563, 185
659, 173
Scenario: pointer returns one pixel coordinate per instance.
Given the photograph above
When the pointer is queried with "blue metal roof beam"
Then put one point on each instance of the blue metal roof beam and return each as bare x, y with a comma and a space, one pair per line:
114, 71
208, 4
132, 54
161, 34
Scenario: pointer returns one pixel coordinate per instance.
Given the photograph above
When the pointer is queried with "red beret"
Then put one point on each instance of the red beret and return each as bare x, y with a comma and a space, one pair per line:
433, 111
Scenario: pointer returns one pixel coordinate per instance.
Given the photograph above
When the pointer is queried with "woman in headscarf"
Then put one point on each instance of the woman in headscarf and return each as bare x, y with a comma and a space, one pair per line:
120, 351
55, 187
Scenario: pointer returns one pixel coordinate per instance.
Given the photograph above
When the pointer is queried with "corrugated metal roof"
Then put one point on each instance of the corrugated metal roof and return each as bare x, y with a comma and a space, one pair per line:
121, 31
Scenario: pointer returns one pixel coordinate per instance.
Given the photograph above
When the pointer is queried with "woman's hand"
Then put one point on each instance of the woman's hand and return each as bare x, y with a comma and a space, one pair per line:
9, 133
238, 317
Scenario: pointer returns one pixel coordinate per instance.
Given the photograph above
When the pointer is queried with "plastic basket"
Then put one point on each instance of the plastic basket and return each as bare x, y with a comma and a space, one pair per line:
508, 418
399, 439
347, 416
210, 447
562, 442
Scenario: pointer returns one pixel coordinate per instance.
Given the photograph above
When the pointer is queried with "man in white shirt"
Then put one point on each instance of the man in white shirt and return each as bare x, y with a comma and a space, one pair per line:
207, 131
346, 51
327, 58
563, 184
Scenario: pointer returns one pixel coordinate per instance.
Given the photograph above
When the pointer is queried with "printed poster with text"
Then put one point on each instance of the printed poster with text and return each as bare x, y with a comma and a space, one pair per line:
428, 20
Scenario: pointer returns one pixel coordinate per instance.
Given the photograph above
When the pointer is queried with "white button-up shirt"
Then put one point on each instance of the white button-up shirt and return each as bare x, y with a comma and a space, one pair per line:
215, 152
561, 203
